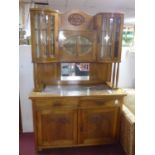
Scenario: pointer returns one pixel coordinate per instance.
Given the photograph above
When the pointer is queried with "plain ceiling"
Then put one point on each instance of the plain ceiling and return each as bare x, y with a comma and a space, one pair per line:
93, 6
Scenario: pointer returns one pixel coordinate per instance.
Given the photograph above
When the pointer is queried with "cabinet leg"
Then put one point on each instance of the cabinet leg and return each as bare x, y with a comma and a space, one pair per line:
39, 149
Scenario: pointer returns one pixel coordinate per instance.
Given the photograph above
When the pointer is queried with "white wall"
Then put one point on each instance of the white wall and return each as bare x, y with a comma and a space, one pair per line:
126, 80
25, 86
127, 69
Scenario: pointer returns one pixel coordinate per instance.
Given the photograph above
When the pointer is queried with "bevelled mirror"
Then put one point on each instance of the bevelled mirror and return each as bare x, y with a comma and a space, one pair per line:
74, 71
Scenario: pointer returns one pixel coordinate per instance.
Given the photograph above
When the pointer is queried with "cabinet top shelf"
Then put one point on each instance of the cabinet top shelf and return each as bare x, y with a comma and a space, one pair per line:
48, 9
77, 90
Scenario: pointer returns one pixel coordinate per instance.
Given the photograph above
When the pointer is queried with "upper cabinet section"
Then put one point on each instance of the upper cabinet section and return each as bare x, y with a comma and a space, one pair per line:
75, 36
44, 33
109, 31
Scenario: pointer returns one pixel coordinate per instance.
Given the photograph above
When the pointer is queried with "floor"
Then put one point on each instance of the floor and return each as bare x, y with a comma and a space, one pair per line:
26, 147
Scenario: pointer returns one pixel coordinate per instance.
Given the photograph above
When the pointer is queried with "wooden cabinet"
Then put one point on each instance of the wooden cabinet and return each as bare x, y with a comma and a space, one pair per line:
71, 117
109, 27
44, 33
75, 122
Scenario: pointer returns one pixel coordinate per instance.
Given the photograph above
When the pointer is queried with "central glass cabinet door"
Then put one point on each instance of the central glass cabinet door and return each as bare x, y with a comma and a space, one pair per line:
43, 35
77, 45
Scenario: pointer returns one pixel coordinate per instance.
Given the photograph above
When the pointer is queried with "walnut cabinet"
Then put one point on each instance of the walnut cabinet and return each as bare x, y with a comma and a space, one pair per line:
64, 122
74, 112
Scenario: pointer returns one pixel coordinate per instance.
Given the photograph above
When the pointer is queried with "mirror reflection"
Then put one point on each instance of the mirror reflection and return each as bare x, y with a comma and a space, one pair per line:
74, 71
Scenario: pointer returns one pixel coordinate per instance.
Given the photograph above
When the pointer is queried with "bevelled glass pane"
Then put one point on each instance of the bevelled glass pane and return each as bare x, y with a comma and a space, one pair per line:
41, 24
52, 37
43, 21
77, 45
37, 40
70, 45
52, 22
117, 33
106, 37
43, 37
85, 45
104, 24
36, 18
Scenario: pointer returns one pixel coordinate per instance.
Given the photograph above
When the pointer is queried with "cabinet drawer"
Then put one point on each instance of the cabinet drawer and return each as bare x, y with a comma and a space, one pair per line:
98, 103
55, 103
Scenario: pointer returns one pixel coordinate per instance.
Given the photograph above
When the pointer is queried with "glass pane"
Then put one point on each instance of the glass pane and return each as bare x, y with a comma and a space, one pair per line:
103, 44
85, 44
52, 22
70, 45
117, 35
106, 38
52, 36
37, 35
43, 21
37, 21
43, 37
37, 40
77, 45
111, 30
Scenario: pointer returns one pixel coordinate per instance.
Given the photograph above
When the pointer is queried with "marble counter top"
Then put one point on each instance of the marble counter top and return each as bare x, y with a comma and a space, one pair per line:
76, 90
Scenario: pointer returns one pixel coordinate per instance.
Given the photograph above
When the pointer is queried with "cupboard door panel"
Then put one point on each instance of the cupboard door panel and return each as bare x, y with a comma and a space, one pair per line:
57, 127
98, 125
109, 27
77, 46
44, 32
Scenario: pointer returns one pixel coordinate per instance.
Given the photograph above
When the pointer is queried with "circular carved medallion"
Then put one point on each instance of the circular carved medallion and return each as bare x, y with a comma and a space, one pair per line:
76, 19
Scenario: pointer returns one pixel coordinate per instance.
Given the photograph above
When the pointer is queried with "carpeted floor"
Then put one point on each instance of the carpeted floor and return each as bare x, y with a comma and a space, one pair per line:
26, 147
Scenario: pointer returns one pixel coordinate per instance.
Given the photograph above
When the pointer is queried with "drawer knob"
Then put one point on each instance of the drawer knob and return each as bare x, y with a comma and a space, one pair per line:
116, 101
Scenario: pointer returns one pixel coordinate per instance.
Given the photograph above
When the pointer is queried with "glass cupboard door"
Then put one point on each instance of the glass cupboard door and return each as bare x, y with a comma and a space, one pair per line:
117, 35
77, 45
109, 37
44, 33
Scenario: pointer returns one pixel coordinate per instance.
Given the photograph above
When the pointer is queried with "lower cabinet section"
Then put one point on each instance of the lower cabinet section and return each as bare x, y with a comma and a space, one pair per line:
57, 127
64, 123
98, 126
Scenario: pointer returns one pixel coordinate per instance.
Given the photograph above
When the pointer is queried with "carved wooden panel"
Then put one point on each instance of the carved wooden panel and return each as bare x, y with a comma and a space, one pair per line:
98, 125
76, 19
57, 127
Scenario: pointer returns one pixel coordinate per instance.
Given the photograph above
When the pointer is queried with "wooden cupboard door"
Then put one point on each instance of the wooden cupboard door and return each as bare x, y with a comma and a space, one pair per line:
98, 126
57, 127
